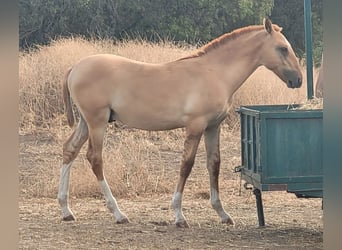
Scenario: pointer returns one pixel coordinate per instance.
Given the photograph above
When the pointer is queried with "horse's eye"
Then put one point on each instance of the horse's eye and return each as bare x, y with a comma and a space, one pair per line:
283, 50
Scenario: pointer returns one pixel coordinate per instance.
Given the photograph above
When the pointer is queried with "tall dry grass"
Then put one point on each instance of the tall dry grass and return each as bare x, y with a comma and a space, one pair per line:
136, 162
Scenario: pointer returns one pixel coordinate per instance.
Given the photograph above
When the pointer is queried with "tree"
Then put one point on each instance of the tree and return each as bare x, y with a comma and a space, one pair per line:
181, 20
191, 21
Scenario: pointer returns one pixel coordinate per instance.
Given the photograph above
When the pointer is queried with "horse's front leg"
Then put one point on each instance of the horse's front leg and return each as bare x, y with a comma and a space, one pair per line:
212, 145
190, 148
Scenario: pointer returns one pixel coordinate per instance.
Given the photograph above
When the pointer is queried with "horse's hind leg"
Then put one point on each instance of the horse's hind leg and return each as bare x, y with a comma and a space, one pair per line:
211, 139
94, 156
70, 150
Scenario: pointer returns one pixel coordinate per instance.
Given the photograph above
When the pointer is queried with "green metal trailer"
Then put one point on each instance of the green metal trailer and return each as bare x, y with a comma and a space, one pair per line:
281, 145
281, 149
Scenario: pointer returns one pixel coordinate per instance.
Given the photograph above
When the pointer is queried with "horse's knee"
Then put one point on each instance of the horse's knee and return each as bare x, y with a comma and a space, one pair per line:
186, 167
214, 166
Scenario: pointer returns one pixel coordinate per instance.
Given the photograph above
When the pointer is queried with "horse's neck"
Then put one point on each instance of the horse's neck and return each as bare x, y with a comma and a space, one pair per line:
236, 60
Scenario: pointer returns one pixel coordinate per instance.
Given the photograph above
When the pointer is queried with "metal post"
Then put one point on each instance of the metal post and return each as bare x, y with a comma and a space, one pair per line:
260, 208
308, 47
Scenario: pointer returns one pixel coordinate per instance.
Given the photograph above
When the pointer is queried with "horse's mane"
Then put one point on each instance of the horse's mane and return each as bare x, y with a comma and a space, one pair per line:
226, 38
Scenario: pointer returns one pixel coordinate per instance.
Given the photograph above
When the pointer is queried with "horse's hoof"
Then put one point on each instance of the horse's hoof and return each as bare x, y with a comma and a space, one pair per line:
69, 218
228, 221
122, 221
182, 224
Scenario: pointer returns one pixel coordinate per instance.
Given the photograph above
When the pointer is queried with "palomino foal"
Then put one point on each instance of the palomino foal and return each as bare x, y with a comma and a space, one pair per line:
194, 92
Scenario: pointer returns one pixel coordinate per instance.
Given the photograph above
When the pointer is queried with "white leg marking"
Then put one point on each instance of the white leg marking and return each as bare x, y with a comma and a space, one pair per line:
63, 192
177, 207
217, 205
111, 203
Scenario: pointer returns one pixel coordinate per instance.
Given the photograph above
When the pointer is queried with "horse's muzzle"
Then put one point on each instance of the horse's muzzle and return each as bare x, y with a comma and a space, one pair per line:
295, 84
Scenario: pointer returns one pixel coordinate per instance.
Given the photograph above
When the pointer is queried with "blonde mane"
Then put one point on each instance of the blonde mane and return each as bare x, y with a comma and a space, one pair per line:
226, 38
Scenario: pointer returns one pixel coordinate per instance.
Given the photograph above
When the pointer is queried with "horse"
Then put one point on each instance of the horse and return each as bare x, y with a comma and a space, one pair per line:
319, 81
193, 92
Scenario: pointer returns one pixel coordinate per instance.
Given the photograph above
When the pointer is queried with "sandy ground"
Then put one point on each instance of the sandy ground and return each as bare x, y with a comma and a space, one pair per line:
291, 223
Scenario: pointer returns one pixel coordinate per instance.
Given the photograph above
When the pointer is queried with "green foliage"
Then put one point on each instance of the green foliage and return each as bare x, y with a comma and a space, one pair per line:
191, 21
181, 20
290, 15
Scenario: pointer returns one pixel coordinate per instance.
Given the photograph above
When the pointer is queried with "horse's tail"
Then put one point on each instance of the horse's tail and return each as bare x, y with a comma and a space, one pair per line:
67, 100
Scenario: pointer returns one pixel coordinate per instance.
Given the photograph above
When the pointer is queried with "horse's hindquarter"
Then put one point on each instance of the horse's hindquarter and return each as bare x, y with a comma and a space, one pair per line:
151, 96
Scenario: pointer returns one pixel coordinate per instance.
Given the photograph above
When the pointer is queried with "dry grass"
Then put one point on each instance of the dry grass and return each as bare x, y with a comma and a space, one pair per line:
310, 104
136, 162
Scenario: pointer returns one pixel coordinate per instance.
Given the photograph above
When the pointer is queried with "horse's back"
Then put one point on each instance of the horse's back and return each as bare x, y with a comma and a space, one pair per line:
95, 76
98, 66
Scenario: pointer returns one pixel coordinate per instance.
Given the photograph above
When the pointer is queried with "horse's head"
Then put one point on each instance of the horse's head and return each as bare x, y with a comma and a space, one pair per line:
278, 56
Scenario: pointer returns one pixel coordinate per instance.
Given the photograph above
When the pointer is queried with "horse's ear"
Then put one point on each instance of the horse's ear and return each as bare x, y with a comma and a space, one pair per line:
268, 25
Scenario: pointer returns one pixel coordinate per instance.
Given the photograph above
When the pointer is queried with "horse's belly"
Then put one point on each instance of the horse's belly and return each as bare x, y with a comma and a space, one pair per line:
146, 119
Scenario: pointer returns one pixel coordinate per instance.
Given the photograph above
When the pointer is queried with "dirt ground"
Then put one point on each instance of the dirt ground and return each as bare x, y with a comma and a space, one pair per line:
291, 223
